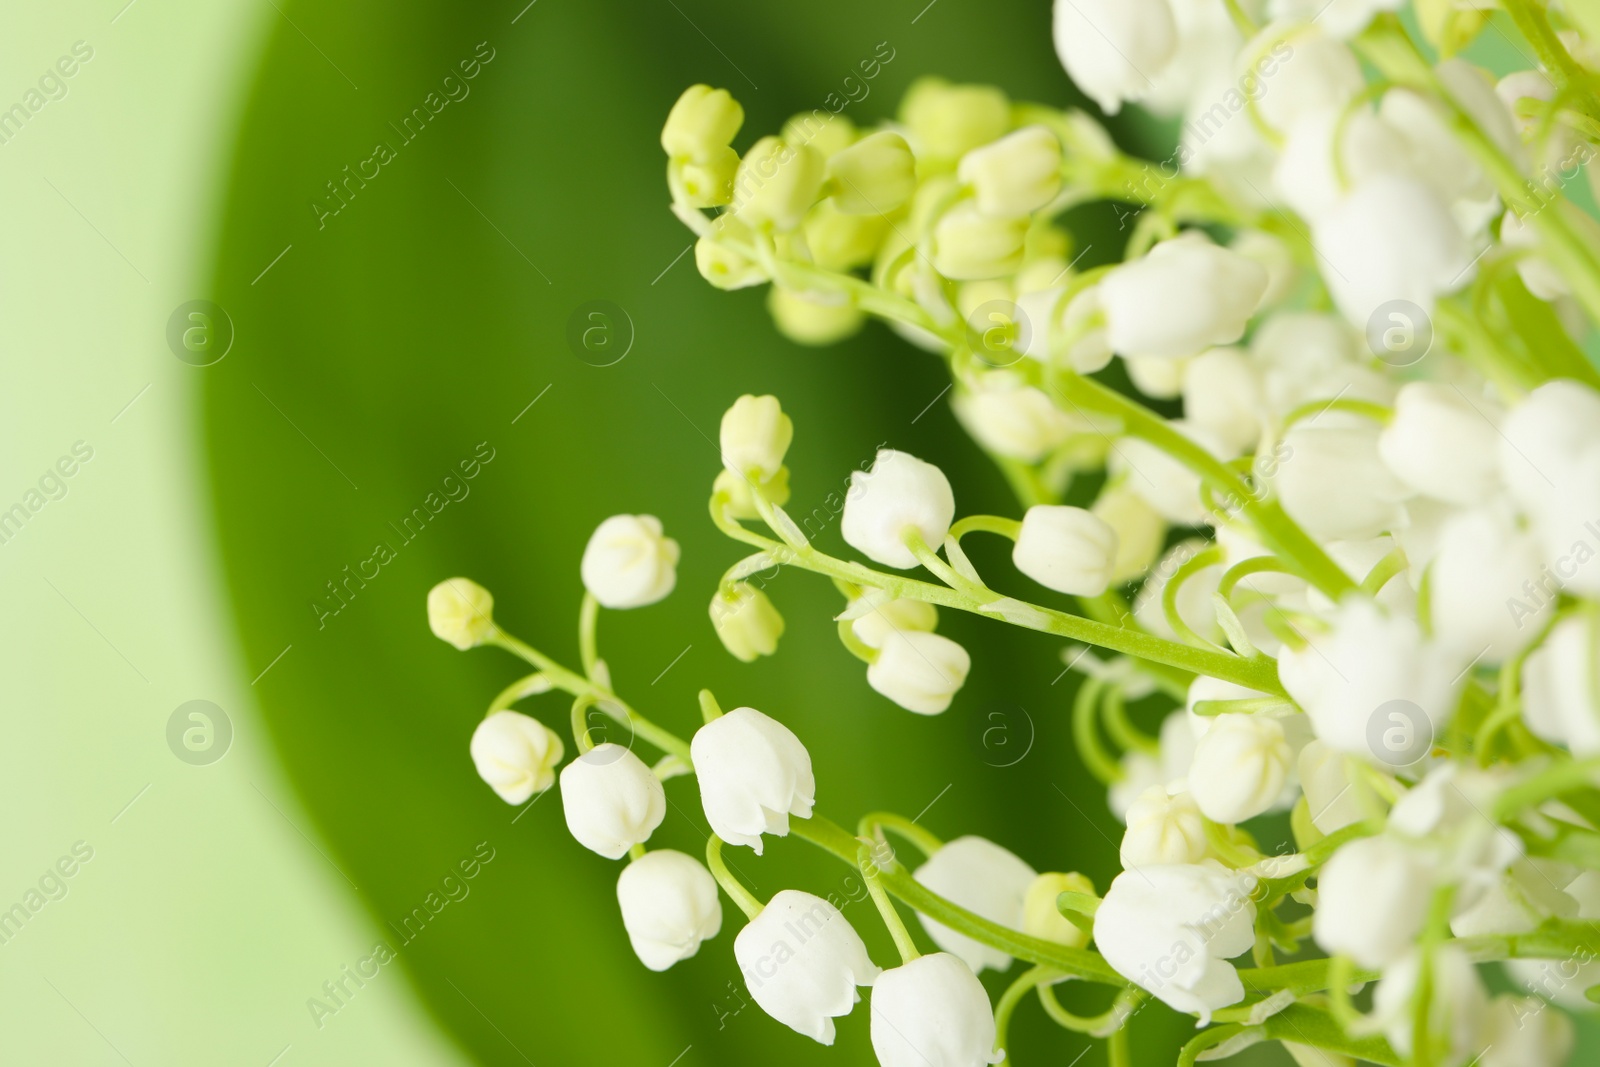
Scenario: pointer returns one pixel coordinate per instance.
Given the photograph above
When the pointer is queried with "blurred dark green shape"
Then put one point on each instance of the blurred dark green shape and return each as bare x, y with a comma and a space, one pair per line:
411, 330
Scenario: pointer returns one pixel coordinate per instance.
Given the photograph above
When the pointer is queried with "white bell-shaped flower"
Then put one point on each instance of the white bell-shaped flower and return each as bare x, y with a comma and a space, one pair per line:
461, 612
1524, 1032
875, 615
612, 800
1066, 549
1550, 463
629, 563
669, 905
1372, 899
754, 437
754, 773
1332, 481
1558, 696
702, 122
1222, 396
1112, 49
777, 183
987, 880
1012, 419
932, 1012
1161, 480
1240, 767
1172, 929
1478, 571
1443, 444
1041, 917
1164, 827
1374, 686
1320, 73
1140, 530
922, 672
1205, 295
898, 494
802, 962
1456, 1013
1333, 796
1016, 175
516, 755
1341, 18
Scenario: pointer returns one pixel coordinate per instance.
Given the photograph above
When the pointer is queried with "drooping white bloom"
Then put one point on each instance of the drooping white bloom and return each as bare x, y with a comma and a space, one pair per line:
1143, 771
1444, 814
755, 435
1369, 670
1372, 899
1443, 444
1066, 549
875, 615
1558, 696
516, 755
1550, 462
1140, 530
669, 905
1222, 395
874, 176
1333, 482
461, 612
1012, 419
898, 494
746, 622
1016, 175
629, 562
802, 962
1319, 73
1478, 569
1205, 295
1172, 929
1164, 827
1161, 480
1525, 1032
1040, 916
1313, 173
612, 800
932, 1012
1517, 902
1562, 982
987, 880
1112, 49
920, 671
1341, 18
1456, 1011
1240, 767
754, 773
1333, 796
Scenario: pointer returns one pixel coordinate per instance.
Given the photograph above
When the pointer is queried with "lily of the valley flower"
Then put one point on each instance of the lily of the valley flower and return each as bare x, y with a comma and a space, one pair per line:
1016, 175
1066, 549
669, 905
629, 562
932, 1012
1442, 444
754, 773
1372, 899
922, 672
898, 494
802, 962
1113, 48
461, 612
755, 435
874, 176
516, 755
746, 622
1205, 293
1164, 827
987, 880
1455, 1014
1041, 917
612, 800
1240, 767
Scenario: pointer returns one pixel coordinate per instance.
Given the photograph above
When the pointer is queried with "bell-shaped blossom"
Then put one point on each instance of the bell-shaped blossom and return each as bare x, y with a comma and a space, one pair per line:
1479, 567
1066, 549
1559, 700
1372, 899
746, 622
1548, 451
516, 755
1112, 49
702, 122
900, 493
1162, 481
1331, 150
987, 880
1334, 798
1332, 481
969, 245
629, 562
1140, 530
875, 616
461, 612
1319, 73
1164, 827
1222, 396
1205, 293
922, 672
754, 773
947, 121
669, 905
1443, 444
1012, 419
612, 800
802, 962
1371, 667
1456, 1012
1041, 917
1240, 767
776, 184
1016, 175
1172, 929
932, 1012
874, 176
1443, 814
754, 437
1341, 18
1525, 1032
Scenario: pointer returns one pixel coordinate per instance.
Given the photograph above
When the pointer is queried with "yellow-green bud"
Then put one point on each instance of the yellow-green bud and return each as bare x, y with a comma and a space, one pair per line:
1140, 531
874, 176
754, 435
1016, 175
746, 622
948, 121
703, 184
777, 183
810, 318
741, 494
969, 245
1040, 916
842, 242
461, 612
722, 266
824, 131
702, 123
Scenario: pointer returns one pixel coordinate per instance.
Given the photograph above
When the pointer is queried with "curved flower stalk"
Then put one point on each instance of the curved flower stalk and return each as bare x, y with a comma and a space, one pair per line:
1360, 568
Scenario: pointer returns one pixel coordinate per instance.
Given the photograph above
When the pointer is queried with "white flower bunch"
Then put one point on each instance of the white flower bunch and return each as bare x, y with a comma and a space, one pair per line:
1359, 568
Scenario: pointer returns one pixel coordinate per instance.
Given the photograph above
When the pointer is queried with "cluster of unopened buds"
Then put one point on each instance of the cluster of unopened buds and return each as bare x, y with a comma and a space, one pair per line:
1360, 568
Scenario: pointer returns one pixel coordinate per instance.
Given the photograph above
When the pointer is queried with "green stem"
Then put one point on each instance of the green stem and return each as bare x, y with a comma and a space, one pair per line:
588, 620
1087, 739
1571, 79
527, 686
1007, 528
1006, 1006
1378, 413
891, 918
730, 885
924, 841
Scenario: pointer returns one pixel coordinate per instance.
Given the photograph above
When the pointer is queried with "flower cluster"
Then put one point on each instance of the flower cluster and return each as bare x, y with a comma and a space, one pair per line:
1358, 571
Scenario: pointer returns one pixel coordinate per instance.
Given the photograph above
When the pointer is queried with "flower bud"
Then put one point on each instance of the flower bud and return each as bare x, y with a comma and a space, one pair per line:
1456, 1010
1333, 483
741, 493
1559, 702
669, 905
516, 755
969, 245
922, 672
1016, 175
932, 1010
707, 183
755, 435
754, 773
612, 800
1164, 826
842, 242
900, 493
701, 123
1140, 531
746, 622
1087, 350
1040, 916
461, 612
947, 120
813, 317
824, 131
874, 176
1163, 481
874, 617
723, 266
1372, 899
802, 962
628, 563
987, 880
1012, 419
1066, 549
1477, 573
1112, 48
1205, 293
1334, 799
1240, 767
1222, 395
1442, 445
1318, 74
1521, 1032
776, 184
